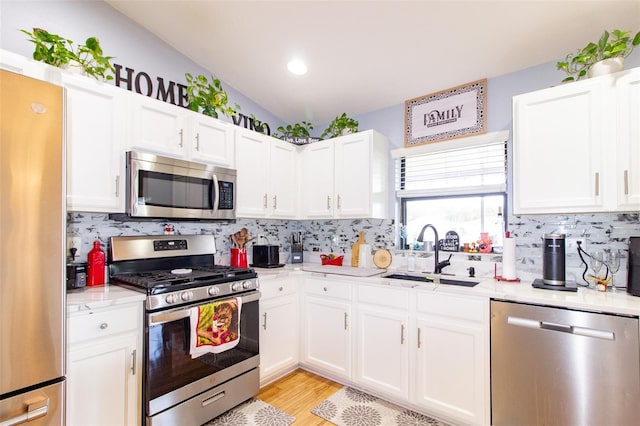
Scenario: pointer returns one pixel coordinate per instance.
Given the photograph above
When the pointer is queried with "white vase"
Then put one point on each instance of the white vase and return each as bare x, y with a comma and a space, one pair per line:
346, 131
74, 68
606, 66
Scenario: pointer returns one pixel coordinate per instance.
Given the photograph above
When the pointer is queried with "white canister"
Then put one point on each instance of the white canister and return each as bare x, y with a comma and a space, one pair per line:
364, 256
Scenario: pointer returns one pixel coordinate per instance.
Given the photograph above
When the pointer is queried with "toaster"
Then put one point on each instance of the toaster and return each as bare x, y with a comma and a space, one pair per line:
266, 256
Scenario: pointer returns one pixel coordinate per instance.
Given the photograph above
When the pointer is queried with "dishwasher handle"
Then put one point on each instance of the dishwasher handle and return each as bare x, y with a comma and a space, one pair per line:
563, 328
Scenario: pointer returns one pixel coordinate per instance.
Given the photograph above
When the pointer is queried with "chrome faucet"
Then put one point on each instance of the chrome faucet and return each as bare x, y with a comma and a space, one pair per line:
437, 265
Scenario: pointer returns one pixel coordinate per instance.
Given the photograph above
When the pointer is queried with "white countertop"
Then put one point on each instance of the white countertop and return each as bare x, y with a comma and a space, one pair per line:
584, 299
617, 301
88, 298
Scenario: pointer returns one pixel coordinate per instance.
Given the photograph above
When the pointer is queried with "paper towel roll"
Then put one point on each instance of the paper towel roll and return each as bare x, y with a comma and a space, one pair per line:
364, 256
509, 259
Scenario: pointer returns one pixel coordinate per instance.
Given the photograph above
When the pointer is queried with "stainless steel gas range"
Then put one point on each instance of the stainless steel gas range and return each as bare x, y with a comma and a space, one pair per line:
201, 337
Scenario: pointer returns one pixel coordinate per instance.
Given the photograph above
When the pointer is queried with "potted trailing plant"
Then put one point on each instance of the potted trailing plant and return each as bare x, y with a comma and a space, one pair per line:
340, 125
298, 130
59, 52
208, 95
609, 52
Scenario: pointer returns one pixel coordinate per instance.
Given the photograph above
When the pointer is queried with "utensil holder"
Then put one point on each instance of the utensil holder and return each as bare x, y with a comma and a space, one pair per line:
238, 258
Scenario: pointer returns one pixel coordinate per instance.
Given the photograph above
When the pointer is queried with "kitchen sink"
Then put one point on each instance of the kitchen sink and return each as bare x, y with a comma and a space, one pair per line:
427, 279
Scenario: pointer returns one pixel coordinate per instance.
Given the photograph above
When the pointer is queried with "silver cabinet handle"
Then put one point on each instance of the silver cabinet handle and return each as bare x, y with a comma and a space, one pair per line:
419, 341
197, 141
264, 324
346, 320
104, 326
280, 288
133, 362
626, 182
597, 184
339, 202
275, 202
402, 334
325, 289
328, 202
181, 134
264, 201
117, 186
35, 409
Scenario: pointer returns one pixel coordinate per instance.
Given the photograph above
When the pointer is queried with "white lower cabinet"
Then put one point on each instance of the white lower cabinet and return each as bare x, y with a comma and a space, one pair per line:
382, 343
104, 361
279, 331
452, 357
326, 322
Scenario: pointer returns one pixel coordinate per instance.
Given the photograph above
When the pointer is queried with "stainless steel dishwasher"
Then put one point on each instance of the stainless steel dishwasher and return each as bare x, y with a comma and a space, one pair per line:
555, 366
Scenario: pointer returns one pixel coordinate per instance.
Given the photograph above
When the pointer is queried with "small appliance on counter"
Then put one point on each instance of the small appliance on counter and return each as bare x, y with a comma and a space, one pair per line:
633, 274
76, 275
296, 248
266, 256
553, 257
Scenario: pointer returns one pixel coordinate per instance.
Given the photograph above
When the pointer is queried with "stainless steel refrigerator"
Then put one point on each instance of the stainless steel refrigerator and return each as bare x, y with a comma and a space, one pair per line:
32, 254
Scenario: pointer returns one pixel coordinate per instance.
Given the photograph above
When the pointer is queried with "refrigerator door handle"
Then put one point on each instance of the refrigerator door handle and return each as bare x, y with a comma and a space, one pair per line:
36, 409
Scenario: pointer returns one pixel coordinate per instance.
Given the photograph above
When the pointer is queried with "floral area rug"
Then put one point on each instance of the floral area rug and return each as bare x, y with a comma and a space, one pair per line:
351, 407
253, 413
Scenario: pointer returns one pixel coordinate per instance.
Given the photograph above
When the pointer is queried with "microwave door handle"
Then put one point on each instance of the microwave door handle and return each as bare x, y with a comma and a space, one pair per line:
215, 193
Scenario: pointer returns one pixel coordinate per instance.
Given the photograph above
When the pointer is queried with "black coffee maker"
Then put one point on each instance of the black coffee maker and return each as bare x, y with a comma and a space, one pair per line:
633, 271
553, 260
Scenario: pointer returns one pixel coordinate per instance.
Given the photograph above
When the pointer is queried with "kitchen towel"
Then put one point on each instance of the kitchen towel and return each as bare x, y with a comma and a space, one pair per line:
509, 259
215, 327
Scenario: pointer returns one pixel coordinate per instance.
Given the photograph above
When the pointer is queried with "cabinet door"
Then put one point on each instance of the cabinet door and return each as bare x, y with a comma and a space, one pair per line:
158, 127
383, 350
95, 128
278, 336
628, 169
102, 382
210, 140
353, 176
559, 160
318, 180
327, 336
283, 180
252, 164
450, 368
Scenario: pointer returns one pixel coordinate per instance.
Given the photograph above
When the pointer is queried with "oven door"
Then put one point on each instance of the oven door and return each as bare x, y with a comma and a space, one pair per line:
173, 376
170, 188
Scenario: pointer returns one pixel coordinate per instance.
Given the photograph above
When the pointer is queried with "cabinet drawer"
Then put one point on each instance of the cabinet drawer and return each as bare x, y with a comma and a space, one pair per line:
102, 323
329, 288
453, 306
275, 288
384, 296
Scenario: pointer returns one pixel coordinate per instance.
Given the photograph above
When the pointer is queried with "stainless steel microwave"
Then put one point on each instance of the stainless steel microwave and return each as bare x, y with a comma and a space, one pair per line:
162, 187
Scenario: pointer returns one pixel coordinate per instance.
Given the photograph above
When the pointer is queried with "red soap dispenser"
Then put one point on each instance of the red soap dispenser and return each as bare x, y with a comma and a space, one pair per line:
95, 265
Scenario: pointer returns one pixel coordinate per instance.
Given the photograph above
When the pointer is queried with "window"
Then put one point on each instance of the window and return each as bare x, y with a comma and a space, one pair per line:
458, 185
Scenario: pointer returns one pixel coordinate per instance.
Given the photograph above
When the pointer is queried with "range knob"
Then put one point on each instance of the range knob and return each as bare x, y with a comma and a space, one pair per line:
213, 291
246, 285
186, 295
171, 298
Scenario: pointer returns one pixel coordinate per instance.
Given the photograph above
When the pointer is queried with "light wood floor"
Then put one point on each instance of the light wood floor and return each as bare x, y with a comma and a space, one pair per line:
297, 393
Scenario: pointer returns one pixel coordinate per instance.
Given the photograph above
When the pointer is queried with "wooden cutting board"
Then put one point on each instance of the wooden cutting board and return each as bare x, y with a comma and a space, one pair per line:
355, 250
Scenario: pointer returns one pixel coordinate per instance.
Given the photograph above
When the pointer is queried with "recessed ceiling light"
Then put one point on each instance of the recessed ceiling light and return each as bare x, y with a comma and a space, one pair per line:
297, 67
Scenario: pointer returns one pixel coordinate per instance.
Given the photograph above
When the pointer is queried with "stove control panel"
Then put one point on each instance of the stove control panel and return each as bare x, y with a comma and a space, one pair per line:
229, 289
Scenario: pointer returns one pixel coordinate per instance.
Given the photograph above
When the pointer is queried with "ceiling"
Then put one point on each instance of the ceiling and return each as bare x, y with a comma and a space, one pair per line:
367, 55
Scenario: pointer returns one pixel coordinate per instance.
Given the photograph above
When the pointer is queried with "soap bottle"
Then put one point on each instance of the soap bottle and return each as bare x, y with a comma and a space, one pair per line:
411, 260
499, 233
95, 265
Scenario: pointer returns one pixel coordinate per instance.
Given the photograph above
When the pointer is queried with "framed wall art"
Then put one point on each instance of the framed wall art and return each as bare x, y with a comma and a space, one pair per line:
449, 114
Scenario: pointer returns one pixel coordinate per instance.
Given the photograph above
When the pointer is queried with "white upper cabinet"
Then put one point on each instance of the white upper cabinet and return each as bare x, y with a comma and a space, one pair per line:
95, 129
28, 67
574, 146
628, 159
266, 176
166, 129
346, 177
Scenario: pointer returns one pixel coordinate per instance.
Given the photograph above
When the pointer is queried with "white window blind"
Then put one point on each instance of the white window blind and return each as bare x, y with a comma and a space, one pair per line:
474, 166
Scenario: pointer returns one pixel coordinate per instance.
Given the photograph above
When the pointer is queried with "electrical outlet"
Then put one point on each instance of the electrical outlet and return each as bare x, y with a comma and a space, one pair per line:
572, 244
73, 242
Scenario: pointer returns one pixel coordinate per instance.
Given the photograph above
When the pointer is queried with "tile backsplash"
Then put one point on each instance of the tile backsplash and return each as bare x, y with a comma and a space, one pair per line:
604, 231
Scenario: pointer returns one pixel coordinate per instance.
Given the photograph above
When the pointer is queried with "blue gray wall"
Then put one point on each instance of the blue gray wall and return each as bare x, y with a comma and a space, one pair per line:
135, 47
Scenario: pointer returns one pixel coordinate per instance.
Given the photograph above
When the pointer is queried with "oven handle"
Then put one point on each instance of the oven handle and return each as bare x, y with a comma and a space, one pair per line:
180, 313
